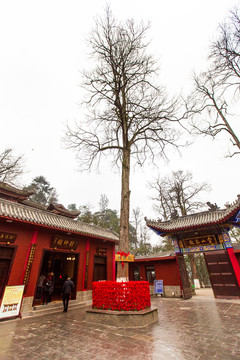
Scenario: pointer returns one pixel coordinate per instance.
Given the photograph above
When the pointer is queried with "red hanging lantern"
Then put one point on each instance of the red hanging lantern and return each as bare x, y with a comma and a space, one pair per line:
122, 264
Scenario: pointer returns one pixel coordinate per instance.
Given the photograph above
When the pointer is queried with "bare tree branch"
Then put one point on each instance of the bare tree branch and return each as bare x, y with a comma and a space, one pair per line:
177, 192
11, 167
130, 117
217, 89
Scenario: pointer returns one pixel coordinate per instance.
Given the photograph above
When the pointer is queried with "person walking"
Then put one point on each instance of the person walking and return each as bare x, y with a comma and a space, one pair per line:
68, 286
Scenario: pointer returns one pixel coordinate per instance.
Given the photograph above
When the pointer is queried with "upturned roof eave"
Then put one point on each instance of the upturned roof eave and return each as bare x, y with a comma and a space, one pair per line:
162, 229
165, 232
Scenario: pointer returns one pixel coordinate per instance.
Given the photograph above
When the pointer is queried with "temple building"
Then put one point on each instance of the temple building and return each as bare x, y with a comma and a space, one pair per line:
207, 233
36, 239
161, 266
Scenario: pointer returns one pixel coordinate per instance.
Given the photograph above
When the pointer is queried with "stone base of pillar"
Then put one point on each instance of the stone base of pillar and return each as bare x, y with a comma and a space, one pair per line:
123, 318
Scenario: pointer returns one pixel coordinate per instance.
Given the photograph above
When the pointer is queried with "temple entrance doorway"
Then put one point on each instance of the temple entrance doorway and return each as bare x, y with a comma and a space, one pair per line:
206, 232
6, 255
197, 271
63, 265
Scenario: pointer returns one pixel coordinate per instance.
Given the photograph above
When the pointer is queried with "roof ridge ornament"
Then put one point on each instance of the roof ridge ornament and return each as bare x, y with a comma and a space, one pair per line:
174, 214
212, 207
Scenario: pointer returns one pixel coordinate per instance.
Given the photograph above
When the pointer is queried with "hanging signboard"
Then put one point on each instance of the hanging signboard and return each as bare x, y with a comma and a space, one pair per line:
102, 251
158, 286
7, 238
125, 257
63, 242
201, 243
11, 302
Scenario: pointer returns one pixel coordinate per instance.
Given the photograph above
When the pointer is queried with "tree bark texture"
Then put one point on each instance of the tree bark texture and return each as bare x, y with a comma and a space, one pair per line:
123, 271
193, 267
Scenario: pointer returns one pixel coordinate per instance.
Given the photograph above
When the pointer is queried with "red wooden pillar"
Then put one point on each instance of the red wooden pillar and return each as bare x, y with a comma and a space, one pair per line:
235, 264
113, 264
85, 268
232, 256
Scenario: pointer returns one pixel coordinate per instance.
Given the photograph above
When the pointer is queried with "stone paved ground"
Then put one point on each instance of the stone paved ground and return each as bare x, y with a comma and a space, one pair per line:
199, 328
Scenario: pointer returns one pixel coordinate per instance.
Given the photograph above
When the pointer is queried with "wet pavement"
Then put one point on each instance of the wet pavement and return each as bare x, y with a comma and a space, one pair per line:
199, 328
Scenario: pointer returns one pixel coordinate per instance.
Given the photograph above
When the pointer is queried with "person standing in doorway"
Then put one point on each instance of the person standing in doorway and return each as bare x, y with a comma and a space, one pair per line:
68, 286
40, 286
48, 286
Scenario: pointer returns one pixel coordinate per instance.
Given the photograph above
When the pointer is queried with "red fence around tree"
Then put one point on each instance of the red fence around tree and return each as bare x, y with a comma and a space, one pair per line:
127, 296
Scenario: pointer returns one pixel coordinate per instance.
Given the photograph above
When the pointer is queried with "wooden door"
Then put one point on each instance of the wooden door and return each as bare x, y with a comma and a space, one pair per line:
100, 268
222, 276
4, 268
186, 287
6, 255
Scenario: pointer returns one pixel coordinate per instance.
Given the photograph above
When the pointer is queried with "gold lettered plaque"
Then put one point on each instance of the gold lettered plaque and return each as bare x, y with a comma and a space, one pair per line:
7, 237
102, 251
198, 241
127, 258
62, 242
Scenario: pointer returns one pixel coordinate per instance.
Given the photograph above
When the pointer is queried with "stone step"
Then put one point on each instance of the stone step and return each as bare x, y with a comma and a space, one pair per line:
53, 307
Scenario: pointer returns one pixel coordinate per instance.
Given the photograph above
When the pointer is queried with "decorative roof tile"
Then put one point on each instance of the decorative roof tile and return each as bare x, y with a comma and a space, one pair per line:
61, 210
8, 191
16, 211
202, 219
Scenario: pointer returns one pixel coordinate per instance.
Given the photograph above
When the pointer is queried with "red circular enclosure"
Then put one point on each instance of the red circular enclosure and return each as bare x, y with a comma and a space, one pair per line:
127, 296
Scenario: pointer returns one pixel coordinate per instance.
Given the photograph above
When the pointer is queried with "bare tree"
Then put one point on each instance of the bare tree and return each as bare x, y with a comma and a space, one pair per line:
216, 90
103, 203
209, 108
11, 167
225, 51
137, 219
129, 116
177, 195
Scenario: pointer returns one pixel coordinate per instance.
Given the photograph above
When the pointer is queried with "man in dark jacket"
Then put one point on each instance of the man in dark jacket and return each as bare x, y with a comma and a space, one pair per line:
66, 291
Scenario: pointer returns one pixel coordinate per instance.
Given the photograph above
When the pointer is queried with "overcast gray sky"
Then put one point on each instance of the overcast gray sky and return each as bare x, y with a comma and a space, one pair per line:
43, 50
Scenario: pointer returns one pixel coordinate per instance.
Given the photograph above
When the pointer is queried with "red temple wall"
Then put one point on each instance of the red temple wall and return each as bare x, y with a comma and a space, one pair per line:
94, 244
21, 246
23, 242
165, 269
168, 271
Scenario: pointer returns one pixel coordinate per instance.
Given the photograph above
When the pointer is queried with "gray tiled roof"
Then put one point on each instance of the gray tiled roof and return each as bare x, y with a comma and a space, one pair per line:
7, 188
165, 254
16, 211
195, 220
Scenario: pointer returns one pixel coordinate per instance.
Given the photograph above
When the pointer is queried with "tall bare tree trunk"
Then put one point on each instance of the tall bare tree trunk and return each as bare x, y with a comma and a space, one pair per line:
123, 271
193, 267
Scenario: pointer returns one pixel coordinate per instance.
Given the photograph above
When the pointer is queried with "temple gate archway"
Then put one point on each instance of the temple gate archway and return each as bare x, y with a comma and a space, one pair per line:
206, 232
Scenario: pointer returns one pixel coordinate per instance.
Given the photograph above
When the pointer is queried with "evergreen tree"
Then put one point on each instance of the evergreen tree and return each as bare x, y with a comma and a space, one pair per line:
44, 193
